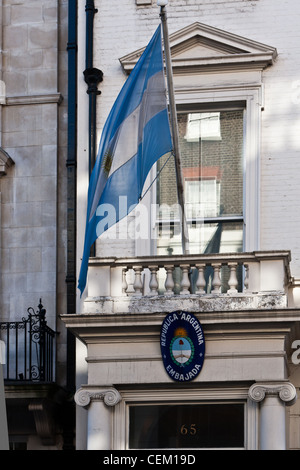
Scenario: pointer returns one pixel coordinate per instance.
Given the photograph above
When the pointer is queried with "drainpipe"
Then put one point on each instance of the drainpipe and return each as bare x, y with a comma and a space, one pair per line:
68, 423
71, 165
93, 77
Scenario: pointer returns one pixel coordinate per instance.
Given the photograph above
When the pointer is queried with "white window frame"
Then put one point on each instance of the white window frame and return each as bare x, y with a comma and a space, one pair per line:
197, 394
252, 96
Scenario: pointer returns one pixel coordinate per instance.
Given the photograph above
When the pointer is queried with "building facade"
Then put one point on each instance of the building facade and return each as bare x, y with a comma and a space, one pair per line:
235, 71
34, 203
149, 310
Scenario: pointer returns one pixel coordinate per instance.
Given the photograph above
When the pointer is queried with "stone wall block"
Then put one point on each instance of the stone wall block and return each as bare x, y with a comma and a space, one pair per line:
42, 36
24, 14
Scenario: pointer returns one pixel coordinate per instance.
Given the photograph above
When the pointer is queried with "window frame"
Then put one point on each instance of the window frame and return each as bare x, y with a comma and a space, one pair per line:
194, 395
230, 97
227, 97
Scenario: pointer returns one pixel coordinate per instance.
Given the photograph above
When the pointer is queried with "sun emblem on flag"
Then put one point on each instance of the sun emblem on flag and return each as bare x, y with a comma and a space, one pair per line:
181, 348
107, 162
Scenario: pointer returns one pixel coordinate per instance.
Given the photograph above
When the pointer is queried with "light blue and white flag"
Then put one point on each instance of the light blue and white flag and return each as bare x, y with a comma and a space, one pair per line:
135, 135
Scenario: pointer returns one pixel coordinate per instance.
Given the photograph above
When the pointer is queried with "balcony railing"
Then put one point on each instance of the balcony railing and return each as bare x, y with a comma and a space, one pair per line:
194, 276
29, 348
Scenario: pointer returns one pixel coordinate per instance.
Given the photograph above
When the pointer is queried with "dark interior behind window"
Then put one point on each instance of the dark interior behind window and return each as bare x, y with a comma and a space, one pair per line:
186, 426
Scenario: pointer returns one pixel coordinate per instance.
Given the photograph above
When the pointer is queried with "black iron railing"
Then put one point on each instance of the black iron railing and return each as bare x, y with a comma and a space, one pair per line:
30, 348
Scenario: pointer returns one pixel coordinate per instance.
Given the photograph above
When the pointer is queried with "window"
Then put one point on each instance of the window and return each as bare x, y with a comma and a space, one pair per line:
202, 196
210, 425
217, 70
211, 147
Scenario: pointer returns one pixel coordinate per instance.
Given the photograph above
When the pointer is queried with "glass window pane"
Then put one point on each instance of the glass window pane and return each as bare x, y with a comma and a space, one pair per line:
211, 146
183, 426
204, 238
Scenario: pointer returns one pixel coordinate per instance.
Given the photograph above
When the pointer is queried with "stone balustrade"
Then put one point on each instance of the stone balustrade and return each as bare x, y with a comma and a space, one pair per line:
197, 275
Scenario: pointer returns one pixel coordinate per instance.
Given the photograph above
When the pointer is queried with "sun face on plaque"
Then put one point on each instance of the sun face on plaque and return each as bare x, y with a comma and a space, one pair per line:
181, 348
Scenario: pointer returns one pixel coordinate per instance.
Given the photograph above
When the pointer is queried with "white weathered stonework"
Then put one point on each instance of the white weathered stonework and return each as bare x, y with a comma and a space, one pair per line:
193, 303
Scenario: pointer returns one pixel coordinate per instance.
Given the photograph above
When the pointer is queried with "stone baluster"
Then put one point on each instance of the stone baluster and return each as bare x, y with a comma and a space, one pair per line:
169, 283
216, 283
124, 280
185, 282
153, 284
232, 282
201, 283
138, 285
246, 278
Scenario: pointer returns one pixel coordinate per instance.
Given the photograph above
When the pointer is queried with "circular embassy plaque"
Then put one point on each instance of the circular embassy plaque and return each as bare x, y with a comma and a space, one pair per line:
182, 346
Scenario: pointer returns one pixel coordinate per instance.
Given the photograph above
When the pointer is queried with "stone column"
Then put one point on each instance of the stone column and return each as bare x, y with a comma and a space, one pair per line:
273, 398
99, 403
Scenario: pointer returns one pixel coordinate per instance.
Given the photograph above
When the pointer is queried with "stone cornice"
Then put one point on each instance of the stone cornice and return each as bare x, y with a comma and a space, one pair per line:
55, 98
86, 321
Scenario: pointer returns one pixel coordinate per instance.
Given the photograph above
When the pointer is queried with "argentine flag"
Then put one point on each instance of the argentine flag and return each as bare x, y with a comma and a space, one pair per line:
135, 135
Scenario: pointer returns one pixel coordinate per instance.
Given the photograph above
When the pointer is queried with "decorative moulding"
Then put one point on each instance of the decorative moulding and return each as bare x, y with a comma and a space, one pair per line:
110, 396
199, 46
43, 411
5, 162
55, 98
286, 392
